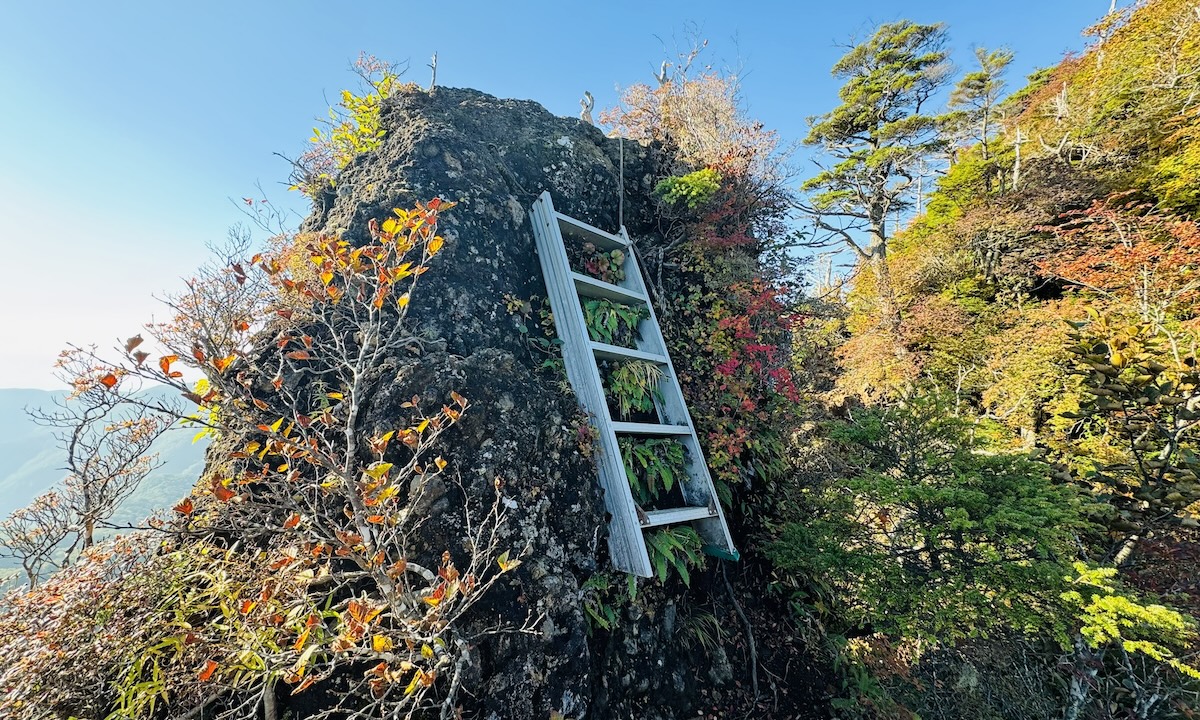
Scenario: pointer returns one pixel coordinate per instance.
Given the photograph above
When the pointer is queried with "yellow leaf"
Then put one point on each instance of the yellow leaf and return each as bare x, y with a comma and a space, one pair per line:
378, 470
506, 564
402, 301
441, 464
412, 686
381, 643
427, 652
335, 396
436, 244
276, 425
327, 277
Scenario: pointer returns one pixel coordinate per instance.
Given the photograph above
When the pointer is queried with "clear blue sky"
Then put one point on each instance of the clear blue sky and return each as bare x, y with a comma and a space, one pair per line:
126, 126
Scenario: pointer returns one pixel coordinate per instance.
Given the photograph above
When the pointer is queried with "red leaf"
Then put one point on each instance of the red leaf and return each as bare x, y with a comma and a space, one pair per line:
221, 492
298, 355
185, 506
109, 380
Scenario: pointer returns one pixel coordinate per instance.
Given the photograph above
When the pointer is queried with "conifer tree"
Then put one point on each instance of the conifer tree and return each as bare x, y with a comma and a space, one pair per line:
873, 144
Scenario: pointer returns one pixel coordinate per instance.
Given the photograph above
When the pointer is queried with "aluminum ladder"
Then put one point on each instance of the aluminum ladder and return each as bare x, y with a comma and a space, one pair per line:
566, 290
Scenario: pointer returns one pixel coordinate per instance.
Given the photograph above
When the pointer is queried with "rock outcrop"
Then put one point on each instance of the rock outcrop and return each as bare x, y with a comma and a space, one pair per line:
493, 157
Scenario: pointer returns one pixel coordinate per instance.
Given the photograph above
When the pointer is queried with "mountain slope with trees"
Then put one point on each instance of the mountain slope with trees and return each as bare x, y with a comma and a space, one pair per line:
1000, 518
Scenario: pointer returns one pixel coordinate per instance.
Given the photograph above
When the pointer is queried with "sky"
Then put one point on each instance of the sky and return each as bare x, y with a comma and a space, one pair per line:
127, 127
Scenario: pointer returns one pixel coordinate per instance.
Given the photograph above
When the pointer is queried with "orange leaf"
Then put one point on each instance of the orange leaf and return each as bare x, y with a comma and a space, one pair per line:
298, 355
436, 244
132, 342
291, 522
198, 353
207, 671
184, 506
299, 645
164, 363
223, 363
242, 326
109, 380
247, 606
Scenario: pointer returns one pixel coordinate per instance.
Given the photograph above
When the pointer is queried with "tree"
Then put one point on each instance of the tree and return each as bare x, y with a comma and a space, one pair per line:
300, 555
105, 441
929, 538
976, 96
32, 533
876, 140
1143, 395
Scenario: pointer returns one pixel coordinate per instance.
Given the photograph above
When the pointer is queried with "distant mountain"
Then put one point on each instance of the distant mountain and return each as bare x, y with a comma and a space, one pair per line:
31, 461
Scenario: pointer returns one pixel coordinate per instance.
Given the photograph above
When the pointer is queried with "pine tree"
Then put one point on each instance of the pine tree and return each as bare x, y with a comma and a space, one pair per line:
874, 142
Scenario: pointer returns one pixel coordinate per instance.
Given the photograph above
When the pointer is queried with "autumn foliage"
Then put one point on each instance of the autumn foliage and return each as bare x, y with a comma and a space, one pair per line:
296, 559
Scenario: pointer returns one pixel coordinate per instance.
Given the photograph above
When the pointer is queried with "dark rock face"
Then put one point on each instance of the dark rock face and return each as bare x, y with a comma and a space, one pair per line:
494, 157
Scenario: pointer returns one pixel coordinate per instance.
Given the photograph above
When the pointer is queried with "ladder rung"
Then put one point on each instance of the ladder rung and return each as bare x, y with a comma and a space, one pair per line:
650, 428
594, 235
604, 351
655, 518
593, 288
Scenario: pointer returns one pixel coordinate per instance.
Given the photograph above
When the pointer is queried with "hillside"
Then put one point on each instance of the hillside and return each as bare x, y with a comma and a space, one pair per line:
1037, 309
31, 461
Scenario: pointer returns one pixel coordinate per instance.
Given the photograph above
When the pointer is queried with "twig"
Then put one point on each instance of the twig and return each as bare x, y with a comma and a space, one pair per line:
749, 633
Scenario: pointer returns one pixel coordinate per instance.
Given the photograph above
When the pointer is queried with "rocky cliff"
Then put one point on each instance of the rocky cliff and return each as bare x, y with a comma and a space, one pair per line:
493, 157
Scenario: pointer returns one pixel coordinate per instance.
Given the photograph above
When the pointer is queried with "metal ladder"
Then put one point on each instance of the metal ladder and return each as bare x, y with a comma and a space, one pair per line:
566, 288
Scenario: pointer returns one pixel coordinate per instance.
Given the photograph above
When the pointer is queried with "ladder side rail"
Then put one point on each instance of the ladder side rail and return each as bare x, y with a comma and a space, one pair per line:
699, 490
627, 545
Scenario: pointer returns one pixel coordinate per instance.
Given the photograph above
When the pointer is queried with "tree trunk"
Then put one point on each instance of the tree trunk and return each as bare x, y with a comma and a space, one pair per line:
889, 310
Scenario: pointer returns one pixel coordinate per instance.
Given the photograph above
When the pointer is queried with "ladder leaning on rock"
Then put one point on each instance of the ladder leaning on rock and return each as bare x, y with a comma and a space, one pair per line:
581, 355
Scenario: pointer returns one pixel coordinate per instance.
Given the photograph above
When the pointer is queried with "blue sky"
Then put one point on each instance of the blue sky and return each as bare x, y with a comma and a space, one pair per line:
127, 126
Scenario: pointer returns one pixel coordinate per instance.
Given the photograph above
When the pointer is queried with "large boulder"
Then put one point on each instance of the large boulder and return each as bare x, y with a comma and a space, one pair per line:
494, 157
